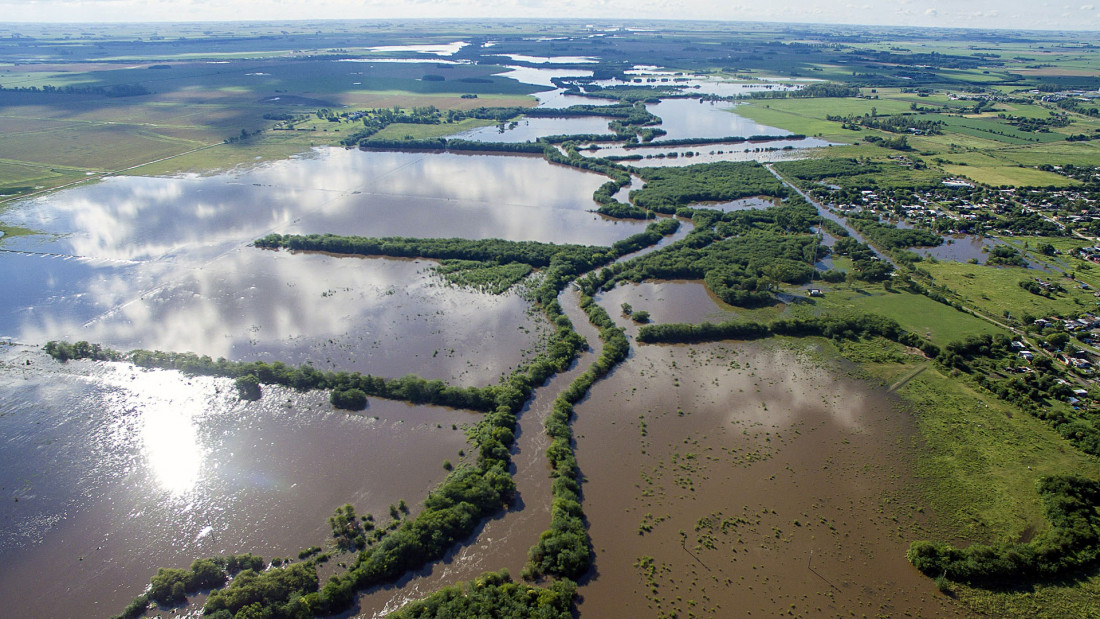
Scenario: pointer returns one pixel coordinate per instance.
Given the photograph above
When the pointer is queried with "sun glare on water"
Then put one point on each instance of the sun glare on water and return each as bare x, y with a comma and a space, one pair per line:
164, 409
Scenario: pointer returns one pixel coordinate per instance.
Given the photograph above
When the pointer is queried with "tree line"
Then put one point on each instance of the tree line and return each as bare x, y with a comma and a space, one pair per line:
833, 327
667, 189
565, 550
1071, 543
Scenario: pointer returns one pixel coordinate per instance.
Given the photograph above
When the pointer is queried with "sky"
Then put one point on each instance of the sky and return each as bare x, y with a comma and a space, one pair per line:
1013, 14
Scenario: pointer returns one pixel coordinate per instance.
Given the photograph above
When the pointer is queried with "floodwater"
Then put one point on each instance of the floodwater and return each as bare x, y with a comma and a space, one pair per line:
530, 129
542, 77
165, 263
695, 118
114, 471
442, 49
623, 194
110, 472
668, 301
663, 156
737, 479
552, 59
502, 542
743, 204
959, 248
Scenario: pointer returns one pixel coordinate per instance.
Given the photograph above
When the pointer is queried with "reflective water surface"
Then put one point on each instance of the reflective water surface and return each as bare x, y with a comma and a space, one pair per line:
165, 262
110, 472
737, 480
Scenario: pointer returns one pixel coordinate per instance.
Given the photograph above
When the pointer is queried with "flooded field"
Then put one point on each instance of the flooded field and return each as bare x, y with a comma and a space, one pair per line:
719, 479
530, 129
111, 472
729, 480
695, 118
669, 301
164, 262
960, 248
656, 156
502, 542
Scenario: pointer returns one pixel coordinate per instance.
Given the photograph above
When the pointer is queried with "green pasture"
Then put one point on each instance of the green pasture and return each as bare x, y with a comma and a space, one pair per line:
996, 290
917, 313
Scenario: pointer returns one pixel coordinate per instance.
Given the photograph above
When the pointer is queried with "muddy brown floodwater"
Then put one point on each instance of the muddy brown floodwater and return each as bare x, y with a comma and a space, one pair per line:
737, 479
502, 542
112, 471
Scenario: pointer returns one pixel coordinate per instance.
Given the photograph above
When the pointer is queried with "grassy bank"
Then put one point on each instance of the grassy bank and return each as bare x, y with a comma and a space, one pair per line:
980, 459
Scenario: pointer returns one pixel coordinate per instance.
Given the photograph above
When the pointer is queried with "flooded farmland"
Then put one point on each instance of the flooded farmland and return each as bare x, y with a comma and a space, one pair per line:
729, 480
111, 472
718, 479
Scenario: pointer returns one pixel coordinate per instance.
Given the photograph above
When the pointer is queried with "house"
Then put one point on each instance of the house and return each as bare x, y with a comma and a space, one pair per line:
1027, 355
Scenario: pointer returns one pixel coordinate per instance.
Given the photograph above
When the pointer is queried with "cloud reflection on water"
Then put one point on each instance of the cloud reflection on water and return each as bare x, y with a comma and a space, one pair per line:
167, 264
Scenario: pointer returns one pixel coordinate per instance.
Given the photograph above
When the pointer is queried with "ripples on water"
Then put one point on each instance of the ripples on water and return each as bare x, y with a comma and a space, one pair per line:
112, 471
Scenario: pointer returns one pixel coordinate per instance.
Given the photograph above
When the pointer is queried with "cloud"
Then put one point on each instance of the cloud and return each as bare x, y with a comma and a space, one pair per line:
964, 13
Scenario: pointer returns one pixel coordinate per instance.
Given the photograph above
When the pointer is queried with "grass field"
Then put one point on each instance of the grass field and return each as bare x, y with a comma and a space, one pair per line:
1015, 176
50, 140
807, 116
398, 131
916, 313
996, 290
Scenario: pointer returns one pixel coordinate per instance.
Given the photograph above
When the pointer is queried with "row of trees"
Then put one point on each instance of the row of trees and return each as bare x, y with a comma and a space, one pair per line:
836, 327
172, 585
499, 251
1071, 543
890, 237
304, 377
668, 189
564, 550
732, 139
896, 123
493, 594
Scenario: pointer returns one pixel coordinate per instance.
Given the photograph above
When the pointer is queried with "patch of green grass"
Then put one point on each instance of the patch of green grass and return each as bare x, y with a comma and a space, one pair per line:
1015, 176
414, 131
980, 457
995, 290
807, 116
10, 231
914, 312
992, 128
1044, 600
